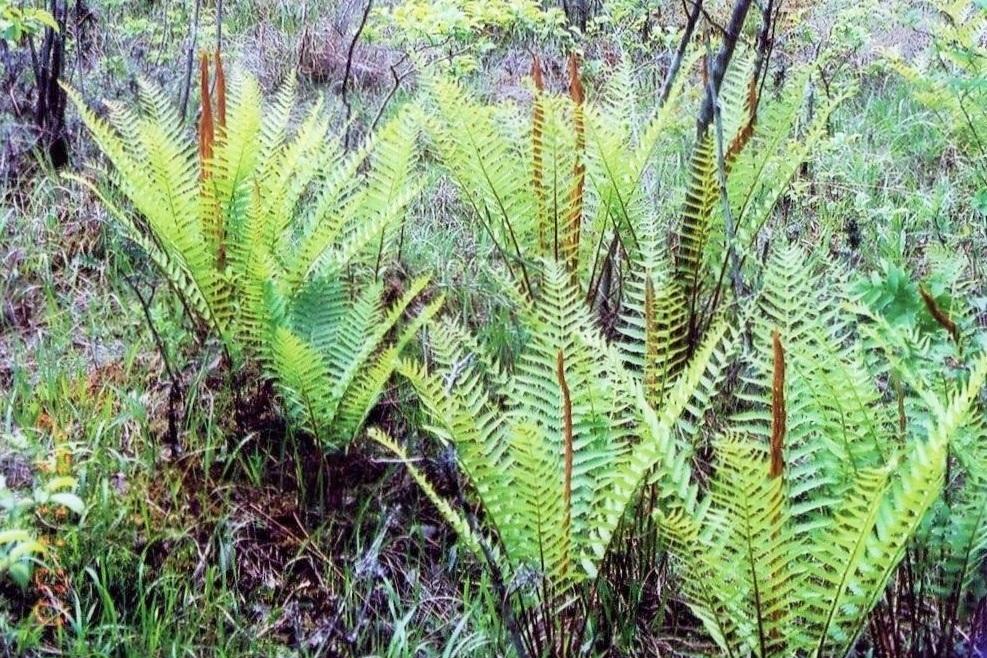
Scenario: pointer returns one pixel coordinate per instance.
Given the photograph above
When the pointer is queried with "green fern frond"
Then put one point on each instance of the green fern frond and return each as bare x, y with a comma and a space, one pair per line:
701, 201
302, 375
477, 543
255, 232
658, 452
862, 575
366, 388
742, 569
557, 448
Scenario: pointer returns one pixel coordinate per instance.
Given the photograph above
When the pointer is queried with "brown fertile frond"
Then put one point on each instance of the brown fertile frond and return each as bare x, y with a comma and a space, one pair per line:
574, 223
207, 132
220, 90
778, 413
939, 315
566, 438
744, 135
537, 152
536, 74
576, 92
219, 225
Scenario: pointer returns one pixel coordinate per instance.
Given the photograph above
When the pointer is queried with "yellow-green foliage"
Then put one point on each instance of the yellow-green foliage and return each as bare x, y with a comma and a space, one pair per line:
949, 77
791, 564
257, 236
557, 449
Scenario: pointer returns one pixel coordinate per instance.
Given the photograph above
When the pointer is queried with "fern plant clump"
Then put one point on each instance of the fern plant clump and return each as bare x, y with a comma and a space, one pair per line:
560, 446
557, 450
271, 237
694, 422
821, 484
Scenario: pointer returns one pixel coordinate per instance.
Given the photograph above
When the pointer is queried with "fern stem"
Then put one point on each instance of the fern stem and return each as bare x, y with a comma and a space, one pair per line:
567, 451
673, 70
721, 169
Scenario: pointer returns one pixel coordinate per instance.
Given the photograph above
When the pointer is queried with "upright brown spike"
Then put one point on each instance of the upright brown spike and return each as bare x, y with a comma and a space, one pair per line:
939, 315
567, 436
536, 74
573, 227
220, 90
576, 92
744, 135
778, 422
778, 413
207, 132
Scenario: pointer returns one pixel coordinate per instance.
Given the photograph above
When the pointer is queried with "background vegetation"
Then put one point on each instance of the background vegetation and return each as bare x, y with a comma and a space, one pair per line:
478, 328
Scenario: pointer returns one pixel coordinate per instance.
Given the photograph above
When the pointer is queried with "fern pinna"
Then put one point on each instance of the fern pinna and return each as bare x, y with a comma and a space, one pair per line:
555, 450
270, 236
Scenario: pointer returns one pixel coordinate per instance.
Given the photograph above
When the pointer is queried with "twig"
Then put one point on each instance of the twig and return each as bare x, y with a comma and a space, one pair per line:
763, 49
401, 77
189, 58
398, 79
349, 66
175, 390
719, 67
673, 69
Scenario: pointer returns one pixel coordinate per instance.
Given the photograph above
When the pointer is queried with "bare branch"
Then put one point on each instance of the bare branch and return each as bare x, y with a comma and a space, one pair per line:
673, 69
190, 58
720, 64
349, 66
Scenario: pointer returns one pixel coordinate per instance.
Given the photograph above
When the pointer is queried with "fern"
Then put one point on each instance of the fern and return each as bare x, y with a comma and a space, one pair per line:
556, 450
945, 559
796, 539
764, 584
255, 228
950, 80
562, 181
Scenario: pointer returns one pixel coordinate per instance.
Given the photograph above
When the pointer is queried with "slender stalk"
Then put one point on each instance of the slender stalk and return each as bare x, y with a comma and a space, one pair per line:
736, 277
190, 58
692, 19
175, 388
349, 67
719, 67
